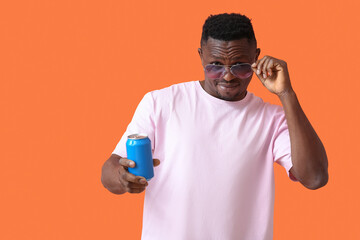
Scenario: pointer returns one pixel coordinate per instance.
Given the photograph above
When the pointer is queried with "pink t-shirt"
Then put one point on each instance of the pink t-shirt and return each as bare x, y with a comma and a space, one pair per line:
216, 177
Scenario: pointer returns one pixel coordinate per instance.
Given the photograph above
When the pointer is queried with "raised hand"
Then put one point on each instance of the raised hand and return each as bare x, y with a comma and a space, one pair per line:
273, 74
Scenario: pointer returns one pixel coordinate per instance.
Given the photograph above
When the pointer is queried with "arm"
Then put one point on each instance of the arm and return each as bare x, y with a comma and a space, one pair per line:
115, 176
307, 151
308, 155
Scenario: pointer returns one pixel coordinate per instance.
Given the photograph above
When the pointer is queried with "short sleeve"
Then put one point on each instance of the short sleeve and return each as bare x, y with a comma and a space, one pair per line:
282, 146
142, 122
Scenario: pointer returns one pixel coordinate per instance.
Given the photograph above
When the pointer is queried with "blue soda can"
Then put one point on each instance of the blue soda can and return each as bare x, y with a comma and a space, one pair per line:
138, 148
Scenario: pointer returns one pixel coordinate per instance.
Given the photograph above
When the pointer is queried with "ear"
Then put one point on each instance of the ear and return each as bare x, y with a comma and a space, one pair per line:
201, 55
257, 54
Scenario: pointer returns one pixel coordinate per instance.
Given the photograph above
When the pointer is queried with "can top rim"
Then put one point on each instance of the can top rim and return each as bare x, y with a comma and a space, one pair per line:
138, 136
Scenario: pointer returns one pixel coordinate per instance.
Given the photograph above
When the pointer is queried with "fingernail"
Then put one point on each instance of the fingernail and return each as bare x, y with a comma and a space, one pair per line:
131, 164
264, 75
258, 71
142, 181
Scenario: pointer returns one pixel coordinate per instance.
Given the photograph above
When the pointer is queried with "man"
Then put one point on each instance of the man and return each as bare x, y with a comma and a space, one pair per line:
217, 143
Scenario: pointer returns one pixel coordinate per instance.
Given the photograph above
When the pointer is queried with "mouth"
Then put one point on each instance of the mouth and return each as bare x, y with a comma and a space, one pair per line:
228, 86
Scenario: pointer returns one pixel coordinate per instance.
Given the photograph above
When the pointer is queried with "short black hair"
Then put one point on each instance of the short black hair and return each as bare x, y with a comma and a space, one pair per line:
227, 27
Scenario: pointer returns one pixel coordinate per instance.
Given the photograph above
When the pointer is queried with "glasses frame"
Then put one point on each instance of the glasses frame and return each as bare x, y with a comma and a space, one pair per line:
230, 69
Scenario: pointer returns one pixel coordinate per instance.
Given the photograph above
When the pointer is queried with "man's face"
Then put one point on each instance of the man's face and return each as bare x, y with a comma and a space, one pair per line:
219, 52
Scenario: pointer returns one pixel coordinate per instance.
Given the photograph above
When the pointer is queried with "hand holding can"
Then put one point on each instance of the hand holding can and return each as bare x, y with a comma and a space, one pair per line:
128, 181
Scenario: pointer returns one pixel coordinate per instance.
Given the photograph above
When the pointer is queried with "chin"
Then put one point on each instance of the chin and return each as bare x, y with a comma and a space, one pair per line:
229, 97
230, 93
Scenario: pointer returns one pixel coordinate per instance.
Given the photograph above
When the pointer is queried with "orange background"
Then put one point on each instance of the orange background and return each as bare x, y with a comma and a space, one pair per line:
73, 72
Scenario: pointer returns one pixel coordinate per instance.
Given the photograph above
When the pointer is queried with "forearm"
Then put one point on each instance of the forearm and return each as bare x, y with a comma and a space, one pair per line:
307, 151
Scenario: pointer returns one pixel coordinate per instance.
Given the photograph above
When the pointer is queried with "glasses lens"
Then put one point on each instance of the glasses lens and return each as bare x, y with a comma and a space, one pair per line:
242, 70
214, 71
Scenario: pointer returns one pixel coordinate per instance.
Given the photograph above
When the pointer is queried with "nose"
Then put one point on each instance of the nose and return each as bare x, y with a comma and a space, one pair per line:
228, 76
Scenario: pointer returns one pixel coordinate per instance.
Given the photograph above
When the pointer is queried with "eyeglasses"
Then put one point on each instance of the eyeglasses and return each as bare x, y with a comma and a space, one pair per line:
242, 70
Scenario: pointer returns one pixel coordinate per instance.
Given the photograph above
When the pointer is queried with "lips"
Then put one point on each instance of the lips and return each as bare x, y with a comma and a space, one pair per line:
228, 85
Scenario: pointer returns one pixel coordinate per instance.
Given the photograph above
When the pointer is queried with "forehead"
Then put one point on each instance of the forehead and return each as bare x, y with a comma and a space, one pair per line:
240, 48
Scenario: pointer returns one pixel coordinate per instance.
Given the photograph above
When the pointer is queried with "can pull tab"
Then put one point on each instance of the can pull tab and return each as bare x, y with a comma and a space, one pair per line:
138, 136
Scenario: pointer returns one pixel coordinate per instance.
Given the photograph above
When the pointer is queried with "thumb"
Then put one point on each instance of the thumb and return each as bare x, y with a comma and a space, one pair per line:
156, 162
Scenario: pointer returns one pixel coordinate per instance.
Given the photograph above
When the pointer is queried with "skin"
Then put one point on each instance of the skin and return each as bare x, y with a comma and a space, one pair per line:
116, 178
310, 164
219, 52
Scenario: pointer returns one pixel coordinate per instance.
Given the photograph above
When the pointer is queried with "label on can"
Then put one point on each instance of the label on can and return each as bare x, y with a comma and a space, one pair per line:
138, 148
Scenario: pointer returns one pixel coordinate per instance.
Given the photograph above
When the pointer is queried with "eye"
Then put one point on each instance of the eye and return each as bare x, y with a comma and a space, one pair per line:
216, 63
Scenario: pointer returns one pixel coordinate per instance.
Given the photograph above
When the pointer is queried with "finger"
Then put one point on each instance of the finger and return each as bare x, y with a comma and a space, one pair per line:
260, 65
255, 64
270, 67
280, 65
135, 190
135, 185
126, 162
265, 67
156, 162
132, 178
